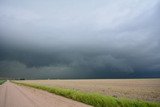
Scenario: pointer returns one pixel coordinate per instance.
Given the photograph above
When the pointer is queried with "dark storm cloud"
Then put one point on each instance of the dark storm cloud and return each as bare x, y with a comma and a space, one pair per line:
74, 39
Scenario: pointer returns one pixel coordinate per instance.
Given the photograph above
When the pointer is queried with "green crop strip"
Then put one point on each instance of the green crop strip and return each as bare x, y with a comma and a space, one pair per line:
2, 81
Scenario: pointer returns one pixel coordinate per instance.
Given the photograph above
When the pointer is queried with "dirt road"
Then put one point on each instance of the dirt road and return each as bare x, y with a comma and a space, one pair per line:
12, 95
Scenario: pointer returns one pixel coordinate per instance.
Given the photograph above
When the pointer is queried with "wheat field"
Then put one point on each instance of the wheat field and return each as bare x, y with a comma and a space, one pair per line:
141, 89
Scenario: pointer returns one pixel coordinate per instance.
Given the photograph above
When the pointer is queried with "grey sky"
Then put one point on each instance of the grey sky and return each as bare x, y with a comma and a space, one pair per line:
94, 38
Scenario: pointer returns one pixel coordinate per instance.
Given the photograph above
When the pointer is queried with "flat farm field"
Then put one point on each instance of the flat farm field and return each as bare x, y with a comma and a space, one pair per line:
141, 89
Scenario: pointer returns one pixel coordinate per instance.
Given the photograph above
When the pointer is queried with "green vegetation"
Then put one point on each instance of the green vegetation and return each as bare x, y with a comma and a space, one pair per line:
94, 99
2, 81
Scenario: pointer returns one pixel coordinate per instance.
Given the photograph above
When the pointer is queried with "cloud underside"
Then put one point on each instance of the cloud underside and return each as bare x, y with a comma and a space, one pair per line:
89, 39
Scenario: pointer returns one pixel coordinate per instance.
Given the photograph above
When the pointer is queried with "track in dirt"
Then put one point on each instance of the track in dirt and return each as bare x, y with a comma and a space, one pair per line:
12, 95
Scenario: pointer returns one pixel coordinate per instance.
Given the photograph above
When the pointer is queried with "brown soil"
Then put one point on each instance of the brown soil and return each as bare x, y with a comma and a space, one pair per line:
142, 89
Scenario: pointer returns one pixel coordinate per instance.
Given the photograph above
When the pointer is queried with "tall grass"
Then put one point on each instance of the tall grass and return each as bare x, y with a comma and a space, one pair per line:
2, 81
94, 99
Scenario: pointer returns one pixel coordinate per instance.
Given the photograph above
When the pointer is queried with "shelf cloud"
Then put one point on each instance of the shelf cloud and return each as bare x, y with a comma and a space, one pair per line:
79, 39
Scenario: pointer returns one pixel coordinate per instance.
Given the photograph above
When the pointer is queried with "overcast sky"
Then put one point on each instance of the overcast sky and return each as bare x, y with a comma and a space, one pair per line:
79, 38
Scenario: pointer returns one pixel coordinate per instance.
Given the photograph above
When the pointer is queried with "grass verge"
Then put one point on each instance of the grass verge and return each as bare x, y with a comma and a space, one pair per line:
94, 99
2, 81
